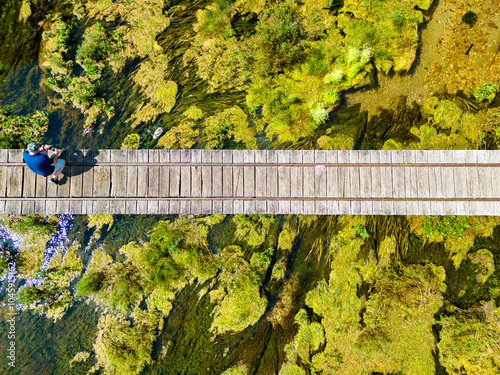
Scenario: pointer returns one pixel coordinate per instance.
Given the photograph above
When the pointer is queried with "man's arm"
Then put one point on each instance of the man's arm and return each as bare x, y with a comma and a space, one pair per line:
56, 157
47, 147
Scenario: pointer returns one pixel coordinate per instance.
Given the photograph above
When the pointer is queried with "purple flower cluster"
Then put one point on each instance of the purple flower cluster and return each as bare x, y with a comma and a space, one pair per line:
59, 240
58, 243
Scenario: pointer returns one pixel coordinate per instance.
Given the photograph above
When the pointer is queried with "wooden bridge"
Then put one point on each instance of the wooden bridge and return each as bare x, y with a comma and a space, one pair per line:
452, 182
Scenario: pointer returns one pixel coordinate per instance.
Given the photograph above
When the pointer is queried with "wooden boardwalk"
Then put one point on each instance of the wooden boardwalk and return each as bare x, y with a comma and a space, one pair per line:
258, 182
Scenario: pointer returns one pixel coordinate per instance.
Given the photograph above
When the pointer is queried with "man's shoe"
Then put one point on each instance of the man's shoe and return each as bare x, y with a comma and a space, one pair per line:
55, 182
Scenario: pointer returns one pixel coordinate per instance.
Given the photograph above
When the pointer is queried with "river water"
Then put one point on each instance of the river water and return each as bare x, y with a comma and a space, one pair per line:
45, 347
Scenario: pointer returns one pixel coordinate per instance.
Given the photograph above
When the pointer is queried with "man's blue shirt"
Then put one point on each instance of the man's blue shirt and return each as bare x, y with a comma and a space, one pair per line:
39, 163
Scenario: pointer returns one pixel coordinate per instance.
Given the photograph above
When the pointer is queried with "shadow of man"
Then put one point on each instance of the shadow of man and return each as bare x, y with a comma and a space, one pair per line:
77, 162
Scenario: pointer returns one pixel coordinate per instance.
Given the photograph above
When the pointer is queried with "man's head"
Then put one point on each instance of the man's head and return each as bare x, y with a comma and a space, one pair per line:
33, 147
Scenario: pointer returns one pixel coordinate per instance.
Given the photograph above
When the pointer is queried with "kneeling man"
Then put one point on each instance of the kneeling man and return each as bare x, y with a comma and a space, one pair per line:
37, 160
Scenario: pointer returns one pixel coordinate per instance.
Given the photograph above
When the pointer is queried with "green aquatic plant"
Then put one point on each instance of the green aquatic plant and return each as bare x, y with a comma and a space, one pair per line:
124, 344
469, 340
319, 113
131, 142
469, 18
94, 50
280, 38
485, 92
18, 130
445, 226
90, 283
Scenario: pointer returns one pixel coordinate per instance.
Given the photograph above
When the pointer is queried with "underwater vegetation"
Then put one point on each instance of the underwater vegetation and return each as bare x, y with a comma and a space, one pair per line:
244, 294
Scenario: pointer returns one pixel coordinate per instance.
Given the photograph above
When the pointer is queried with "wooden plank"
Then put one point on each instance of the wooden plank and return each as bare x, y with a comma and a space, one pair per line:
435, 183
88, 180
102, 155
284, 186
366, 208
398, 184
196, 207
343, 175
473, 188
385, 157
345, 207
64, 192
15, 156
376, 183
175, 179
164, 178
13, 207
40, 191
408, 156
448, 182
261, 207
29, 180
227, 206
132, 173
76, 181
297, 207
400, 207
386, 182
308, 173
496, 182
410, 176
102, 181
437, 208
14, 182
260, 176
464, 208
206, 207
332, 207
412, 208
460, 182
249, 178
184, 206
354, 181
142, 181
396, 156
424, 208
196, 182
332, 178
238, 207
422, 175
450, 208
4, 155
185, 181
309, 182
217, 176
364, 156
320, 185
249, 207
296, 173
485, 181
118, 180
386, 208
3, 180
272, 177
227, 175
28, 207
365, 183
154, 174
238, 177
206, 176
355, 207
164, 207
